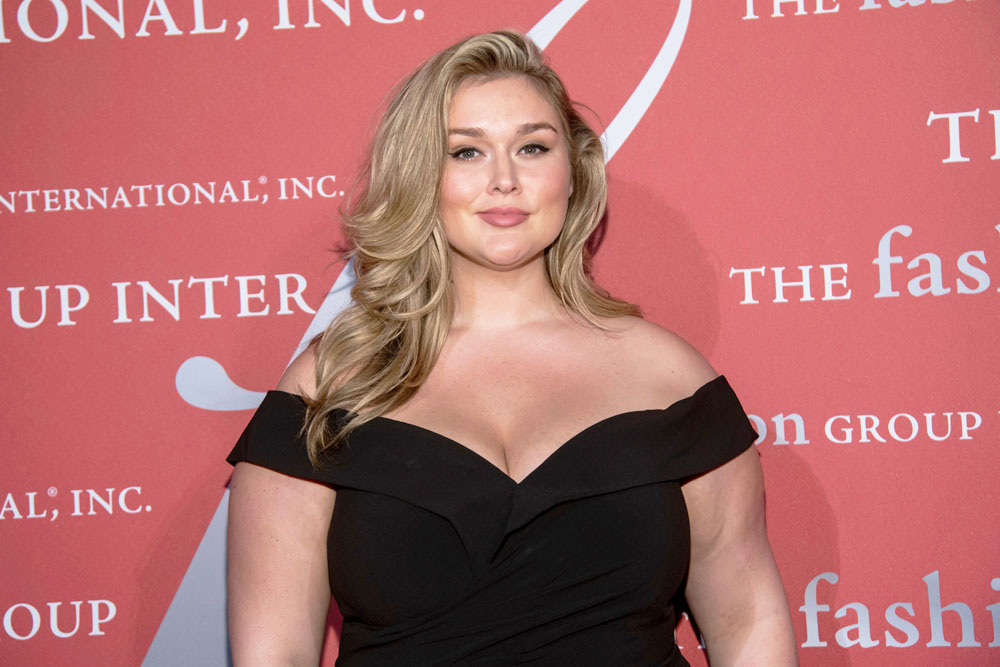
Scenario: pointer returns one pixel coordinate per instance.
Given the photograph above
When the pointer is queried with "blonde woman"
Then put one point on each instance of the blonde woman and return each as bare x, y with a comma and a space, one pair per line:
486, 458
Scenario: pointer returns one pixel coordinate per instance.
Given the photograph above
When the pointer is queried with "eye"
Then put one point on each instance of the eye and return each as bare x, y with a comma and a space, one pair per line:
534, 149
464, 153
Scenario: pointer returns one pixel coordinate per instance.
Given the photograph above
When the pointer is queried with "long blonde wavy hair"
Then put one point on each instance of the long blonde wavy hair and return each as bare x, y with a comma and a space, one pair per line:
375, 355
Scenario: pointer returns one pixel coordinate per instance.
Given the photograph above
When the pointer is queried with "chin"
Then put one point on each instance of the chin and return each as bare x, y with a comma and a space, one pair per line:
510, 258
501, 260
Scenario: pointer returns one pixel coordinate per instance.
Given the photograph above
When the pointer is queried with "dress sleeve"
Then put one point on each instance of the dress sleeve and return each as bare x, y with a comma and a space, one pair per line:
273, 438
709, 428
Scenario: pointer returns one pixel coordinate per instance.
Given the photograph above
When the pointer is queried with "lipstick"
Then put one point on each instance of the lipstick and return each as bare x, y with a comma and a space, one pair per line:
503, 216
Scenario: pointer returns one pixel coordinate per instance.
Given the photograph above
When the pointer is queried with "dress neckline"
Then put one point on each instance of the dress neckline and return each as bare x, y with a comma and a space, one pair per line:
482, 461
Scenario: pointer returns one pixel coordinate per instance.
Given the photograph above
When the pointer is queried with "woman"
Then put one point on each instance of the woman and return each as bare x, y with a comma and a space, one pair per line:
476, 457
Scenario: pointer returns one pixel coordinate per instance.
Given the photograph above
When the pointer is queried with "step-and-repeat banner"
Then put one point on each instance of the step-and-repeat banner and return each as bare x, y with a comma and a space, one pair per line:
807, 190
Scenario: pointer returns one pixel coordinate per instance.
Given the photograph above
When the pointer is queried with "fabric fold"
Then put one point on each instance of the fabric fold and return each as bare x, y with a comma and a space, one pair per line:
637, 448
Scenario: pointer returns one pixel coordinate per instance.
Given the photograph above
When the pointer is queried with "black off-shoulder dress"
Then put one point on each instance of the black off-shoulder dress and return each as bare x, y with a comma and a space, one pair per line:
436, 557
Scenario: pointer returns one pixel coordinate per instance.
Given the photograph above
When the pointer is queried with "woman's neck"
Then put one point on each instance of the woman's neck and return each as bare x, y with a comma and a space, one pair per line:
488, 299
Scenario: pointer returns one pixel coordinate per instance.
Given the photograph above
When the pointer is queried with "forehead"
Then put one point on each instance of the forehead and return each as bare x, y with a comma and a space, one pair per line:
498, 101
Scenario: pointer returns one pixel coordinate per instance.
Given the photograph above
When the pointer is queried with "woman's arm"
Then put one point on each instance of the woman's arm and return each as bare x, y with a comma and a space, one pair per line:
734, 589
279, 591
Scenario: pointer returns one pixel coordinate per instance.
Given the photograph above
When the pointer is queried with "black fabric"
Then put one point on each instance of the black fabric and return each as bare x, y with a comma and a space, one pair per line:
437, 557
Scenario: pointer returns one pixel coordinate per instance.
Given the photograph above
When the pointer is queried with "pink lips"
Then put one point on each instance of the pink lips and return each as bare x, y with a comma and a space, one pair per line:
503, 216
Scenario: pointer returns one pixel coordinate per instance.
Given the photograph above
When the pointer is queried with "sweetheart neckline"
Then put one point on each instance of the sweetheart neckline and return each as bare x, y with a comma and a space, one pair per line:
482, 460
485, 461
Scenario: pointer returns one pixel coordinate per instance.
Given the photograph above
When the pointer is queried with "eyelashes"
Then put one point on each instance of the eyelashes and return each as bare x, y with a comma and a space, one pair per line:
535, 149
466, 153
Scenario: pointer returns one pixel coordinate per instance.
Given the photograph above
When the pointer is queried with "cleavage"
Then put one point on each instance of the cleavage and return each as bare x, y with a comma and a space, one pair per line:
516, 454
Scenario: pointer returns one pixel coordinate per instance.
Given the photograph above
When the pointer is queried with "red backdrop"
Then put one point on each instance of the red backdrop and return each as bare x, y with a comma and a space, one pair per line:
810, 197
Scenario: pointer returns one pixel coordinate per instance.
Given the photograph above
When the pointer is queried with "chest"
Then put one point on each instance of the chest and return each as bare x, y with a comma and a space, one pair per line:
515, 408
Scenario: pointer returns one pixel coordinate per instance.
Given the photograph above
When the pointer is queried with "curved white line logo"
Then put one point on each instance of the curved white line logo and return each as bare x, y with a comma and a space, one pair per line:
644, 94
203, 381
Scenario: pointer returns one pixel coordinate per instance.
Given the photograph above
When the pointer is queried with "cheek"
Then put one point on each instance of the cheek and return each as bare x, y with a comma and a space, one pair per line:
555, 187
561, 180
457, 188
453, 204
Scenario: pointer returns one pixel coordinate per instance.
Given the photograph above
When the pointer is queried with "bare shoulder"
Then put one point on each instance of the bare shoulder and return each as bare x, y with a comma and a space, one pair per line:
300, 376
673, 362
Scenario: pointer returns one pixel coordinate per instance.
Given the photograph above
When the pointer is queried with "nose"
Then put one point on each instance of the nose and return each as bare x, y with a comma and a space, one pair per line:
504, 177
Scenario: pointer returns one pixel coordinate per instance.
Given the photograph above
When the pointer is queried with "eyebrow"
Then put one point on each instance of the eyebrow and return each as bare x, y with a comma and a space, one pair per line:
526, 128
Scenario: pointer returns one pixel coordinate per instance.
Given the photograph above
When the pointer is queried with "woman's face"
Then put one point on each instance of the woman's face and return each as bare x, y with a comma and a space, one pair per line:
507, 177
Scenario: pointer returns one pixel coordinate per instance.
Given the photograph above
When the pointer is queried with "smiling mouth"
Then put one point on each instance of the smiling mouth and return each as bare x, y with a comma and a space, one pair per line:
503, 216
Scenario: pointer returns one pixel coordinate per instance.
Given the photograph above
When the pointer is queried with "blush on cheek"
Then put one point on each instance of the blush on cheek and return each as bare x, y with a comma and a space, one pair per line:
456, 192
